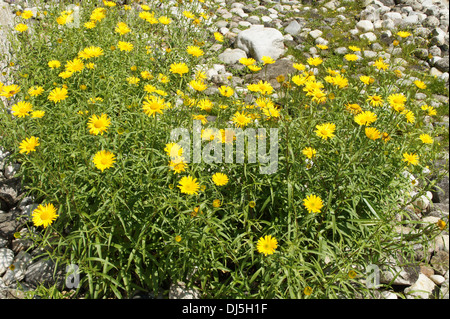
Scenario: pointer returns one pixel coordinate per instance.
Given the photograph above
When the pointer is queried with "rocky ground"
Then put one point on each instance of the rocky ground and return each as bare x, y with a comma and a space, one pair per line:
277, 29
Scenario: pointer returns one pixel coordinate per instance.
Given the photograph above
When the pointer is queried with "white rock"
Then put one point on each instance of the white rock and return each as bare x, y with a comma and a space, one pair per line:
231, 56
365, 25
315, 34
388, 24
6, 259
422, 288
259, 41
392, 16
437, 279
293, 28
179, 291
388, 295
369, 36
244, 24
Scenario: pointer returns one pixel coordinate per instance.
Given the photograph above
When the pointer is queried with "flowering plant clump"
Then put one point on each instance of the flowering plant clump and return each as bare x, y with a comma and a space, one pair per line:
135, 209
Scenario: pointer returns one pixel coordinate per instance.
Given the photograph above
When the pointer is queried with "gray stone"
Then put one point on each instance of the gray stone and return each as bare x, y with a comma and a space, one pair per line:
232, 56
42, 272
365, 26
421, 53
180, 291
437, 279
259, 41
370, 36
315, 34
422, 288
293, 28
394, 271
6, 259
440, 262
442, 65
19, 267
431, 22
9, 222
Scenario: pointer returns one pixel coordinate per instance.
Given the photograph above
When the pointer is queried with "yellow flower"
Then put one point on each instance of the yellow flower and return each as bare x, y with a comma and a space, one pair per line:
271, 112
153, 105
90, 52
201, 118
385, 137
354, 48
410, 118
372, 133
44, 215
57, 95
177, 238
426, 139
164, 20
29, 145
420, 84
241, 119
21, 27
353, 108
65, 74
366, 79
299, 66
314, 61
441, 224
98, 14
313, 203
218, 36
307, 291
403, 34
179, 68
220, 179
177, 166
365, 118
195, 51
98, 124
217, 203
309, 152
267, 60
133, 80
265, 87
198, 85
89, 24
226, 91
351, 57
411, 158
352, 274
322, 46
188, 14
125, 46
326, 130
380, 65
375, 100
254, 68
37, 114
188, 185
54, 64
252, 204
247, 61
21, 109
146, 75
76, 65
103, 160
26, 14
267, 245
36, 90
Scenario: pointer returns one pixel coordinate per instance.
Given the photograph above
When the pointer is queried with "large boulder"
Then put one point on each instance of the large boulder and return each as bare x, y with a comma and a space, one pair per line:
259, 41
